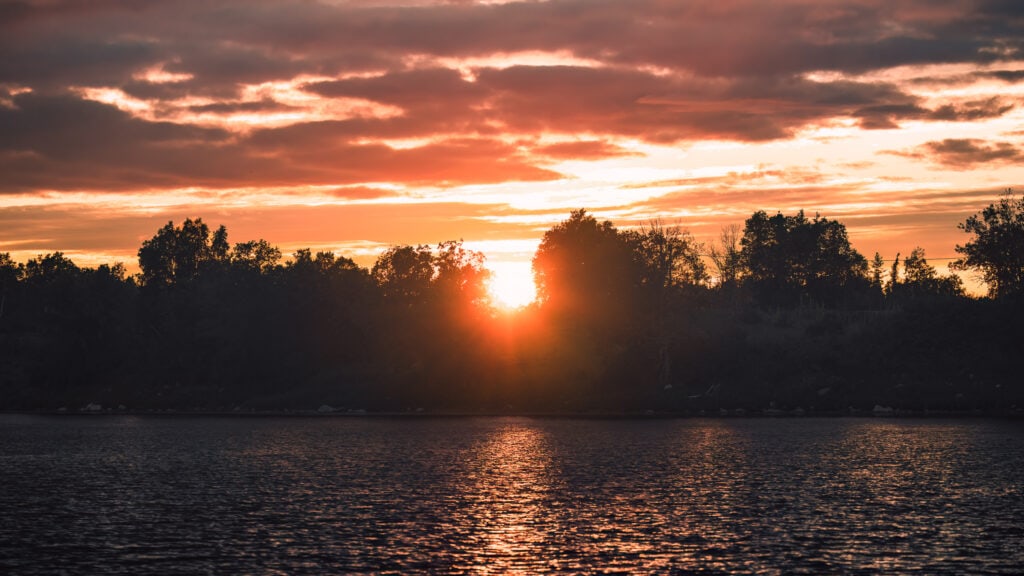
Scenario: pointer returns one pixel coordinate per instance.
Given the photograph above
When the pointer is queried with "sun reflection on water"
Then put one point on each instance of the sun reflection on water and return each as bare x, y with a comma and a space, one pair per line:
511, 495
507, 500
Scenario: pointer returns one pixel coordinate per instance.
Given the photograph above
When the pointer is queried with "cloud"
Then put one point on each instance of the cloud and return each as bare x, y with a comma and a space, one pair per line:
225, 43
232, 107
1008, 76
360, 192
964, 153
65, 143
373, 107
759, 51
889, 116
663, 109
461, 90
765, 177
583, 150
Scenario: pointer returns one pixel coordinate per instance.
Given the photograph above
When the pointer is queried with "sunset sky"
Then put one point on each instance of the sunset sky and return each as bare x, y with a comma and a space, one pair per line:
352, 126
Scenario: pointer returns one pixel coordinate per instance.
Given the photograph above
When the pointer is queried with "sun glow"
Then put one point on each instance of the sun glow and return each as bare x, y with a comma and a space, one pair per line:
511, 284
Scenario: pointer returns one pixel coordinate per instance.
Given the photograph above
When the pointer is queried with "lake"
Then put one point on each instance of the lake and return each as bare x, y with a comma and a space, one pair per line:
267, 495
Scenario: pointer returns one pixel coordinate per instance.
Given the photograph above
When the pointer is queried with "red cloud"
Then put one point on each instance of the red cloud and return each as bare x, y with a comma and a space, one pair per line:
583, 150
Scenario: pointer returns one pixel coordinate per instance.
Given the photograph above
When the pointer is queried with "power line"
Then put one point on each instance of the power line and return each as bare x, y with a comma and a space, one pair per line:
928, 258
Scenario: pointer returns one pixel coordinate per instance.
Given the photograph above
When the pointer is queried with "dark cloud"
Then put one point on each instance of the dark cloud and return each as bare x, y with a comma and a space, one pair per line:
162, 90
233, 107
887, 116
666, 73
62, 142
634, 103
973, 110
583, 150
64, 62
964, 153
424, 89
222, 42
573, 99
68, 128
1010, 76
65, 143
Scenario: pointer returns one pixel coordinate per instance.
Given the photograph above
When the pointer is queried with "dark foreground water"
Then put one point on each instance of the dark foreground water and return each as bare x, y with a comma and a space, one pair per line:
135, 495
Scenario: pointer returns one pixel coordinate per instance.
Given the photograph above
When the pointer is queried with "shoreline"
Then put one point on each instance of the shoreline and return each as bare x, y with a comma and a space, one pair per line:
567, 415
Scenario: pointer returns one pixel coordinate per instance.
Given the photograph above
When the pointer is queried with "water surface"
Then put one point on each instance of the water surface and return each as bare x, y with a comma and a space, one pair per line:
195, 495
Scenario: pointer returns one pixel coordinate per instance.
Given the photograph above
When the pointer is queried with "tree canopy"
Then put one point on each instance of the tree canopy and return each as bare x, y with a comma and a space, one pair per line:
997, 249
791, 258
627, 319
583, 267
921, 280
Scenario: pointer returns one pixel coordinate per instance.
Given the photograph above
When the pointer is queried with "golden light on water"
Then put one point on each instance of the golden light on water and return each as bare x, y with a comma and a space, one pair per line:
508, 500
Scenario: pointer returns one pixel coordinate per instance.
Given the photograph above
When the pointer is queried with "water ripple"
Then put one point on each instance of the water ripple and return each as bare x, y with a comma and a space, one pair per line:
489, 496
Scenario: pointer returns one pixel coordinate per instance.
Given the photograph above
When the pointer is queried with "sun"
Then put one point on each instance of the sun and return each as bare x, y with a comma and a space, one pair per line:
511, 285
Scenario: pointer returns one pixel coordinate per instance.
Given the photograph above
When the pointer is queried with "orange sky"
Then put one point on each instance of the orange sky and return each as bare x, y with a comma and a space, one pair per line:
351, 126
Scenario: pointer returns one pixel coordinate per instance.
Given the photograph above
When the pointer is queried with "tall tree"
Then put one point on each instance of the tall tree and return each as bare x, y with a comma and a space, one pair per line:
790, 258
668, 256
997, 249
727, 256
894, 275
460, 273
255, 255
175, 254
219, 247
10, 273
920, 279
877, 267
584, 267
404, 272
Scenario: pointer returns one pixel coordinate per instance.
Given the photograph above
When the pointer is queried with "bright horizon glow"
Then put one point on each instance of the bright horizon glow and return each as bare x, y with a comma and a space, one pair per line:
298, 126
511, 285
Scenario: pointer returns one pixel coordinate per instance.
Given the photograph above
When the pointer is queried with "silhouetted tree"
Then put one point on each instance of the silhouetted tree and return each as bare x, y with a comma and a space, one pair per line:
790, 258
51, 280
10, 273
460, 274
727, 257
404, 272
668, 256
622, 314
50, 268
328, 316
428, 328
894, 274
921, 280
668, 262
175, 254
308, 266
255, 255
588, 288
584, 268
219, 247
877, 267
997, 249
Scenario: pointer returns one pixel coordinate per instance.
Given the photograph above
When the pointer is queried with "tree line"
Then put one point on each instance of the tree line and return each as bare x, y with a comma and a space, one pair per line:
783, 315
